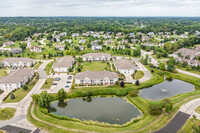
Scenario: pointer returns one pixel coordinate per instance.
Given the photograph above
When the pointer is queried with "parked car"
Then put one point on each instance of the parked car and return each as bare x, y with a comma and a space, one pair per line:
69, 77
57, 79
69, 82
54, 84
53, 73
67, 86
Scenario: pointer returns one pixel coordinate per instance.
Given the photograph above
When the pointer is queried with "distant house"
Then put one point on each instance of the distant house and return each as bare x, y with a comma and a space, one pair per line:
160, 33
145, 38
107, 36
121, 47
28, 39
63, 34
119, 36
9, 43
18, 62
96, 35
133, 40
60, 47
96, 47
63, 64
36, 49
148, 44
67, 40
96, 57
95, 42
81, 41
75, 35
109, 42
56, 38
85, 34
150, 33
16, 79
96, 77
124, 66
81, 47
28, 44
167, 33
183, 36
16, 50
131, 34
123, 41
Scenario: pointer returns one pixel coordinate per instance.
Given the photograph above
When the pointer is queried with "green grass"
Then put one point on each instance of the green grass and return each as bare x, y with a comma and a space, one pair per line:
138, 75
198, 109
7, 113
20, 93
191, 70
37, 65
191, 126
49, 67
3, 72
47, 83
94, 66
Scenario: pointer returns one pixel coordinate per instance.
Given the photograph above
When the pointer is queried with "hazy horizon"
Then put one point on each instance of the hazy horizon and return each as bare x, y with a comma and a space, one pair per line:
97, 8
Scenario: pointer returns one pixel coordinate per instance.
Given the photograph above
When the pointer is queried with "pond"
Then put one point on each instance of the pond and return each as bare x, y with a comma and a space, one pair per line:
166, 89
112, 110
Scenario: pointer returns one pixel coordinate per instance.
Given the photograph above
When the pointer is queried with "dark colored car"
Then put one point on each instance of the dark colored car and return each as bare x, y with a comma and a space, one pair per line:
57, 79
68, 81
54, 84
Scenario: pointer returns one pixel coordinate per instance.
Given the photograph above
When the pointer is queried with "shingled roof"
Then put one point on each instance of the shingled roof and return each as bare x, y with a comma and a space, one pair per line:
96, 55
96, 75
16, 60
16, 76
124, 64
64, 62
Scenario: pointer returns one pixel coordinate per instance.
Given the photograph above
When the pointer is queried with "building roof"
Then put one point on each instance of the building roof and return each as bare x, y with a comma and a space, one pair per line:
59, 46
124, 64
96, 75
96, 55
66, 61
8, 43
16, 76
35, 47
16, 60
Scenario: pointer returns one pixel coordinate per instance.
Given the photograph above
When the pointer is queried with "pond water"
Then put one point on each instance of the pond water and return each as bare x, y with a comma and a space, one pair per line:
166, 89
113, 110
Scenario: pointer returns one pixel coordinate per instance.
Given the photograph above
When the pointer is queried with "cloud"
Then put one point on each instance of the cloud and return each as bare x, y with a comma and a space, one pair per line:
99, 8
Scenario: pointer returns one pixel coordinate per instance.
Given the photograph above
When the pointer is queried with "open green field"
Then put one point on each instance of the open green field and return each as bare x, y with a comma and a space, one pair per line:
20, 93
94, 66
3, 72
7, 113
47, 83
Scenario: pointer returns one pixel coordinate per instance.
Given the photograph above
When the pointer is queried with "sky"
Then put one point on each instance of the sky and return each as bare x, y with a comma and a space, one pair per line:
99, 8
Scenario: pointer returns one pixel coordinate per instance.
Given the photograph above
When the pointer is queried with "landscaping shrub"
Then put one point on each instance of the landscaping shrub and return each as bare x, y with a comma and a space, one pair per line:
117, 82
169, 78
137, 82
122, 83
155, 109
12, 96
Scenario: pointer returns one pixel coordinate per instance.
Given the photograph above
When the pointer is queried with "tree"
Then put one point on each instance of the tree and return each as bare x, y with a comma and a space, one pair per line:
61, 94
12, 96
79, 69
25, 87
122, 83
117, 82
133, 93
188, 67
137, 82
162, 66
44, 99
44, 56
70, 69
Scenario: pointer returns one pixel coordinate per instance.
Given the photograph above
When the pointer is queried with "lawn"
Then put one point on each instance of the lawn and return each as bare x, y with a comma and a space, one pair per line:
191, 126
20, 93
198, 109
3, 72
138, 75
47, 83
37, 65
7, 113
191, 70
95, 66
48, 68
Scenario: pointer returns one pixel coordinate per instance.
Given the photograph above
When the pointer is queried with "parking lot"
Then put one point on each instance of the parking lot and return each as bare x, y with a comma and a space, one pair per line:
65, 82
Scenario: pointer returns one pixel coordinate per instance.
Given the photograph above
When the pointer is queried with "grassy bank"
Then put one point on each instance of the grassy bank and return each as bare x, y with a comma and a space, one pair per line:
7, 113
3, 72
49, 67
191, 126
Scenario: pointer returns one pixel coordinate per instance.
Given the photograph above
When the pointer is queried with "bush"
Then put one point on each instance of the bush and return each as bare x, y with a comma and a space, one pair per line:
137, 82
133, 93
117, 82
61, 95
155, 109
122, 83
79, 69
12, 96
25, 87
169, 78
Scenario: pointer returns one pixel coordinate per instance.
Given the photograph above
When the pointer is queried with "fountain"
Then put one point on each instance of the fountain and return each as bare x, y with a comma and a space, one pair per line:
162, 91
